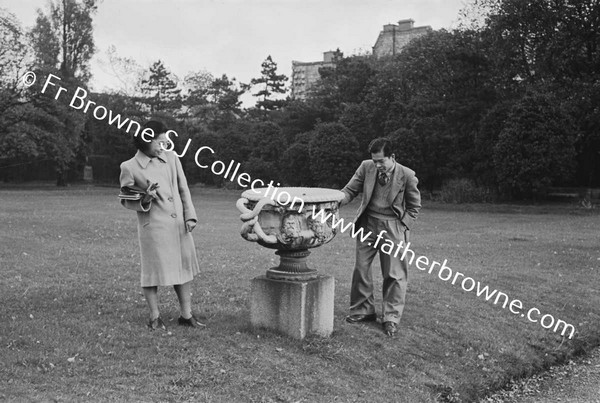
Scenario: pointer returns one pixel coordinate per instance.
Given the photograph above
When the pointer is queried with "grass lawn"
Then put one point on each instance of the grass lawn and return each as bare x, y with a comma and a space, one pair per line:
72, 322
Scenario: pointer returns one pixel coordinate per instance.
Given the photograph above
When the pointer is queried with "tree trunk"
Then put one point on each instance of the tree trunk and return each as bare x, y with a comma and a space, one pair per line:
61, 180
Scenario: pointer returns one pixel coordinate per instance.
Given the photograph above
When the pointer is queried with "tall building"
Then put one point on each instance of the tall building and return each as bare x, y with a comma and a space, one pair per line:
394, 37
391, 41
306, 74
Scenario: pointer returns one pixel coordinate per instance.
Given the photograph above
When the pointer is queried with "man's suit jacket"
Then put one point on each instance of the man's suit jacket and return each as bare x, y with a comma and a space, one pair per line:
404, 196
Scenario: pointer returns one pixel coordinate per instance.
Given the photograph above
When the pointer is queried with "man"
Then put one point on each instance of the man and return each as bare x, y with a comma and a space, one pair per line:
390, 204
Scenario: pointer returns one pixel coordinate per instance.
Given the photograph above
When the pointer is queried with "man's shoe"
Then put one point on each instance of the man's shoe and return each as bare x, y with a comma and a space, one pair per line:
390, 328
372, 317
191, 322
156, 324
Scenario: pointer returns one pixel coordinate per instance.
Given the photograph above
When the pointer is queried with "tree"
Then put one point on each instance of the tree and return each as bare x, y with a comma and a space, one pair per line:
346, 82
582, 106
334, 155
358, 119
14, 58
126, 70
296, 164
408, 149
536, 40
161, 90
224, 95
105, 145
388, 96
324, 95
230, 142
197, 86
14, 55
297, 117
354, 78
268, 146
490, 126
535, 148
271, 84
17, 142
552, 47
438, 88
62, 39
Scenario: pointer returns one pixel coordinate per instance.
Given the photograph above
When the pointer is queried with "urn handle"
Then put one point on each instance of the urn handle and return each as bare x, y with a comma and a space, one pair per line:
250, 218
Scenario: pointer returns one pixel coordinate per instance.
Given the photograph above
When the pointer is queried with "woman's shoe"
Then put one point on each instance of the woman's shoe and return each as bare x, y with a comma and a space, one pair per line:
157, 323
191, 322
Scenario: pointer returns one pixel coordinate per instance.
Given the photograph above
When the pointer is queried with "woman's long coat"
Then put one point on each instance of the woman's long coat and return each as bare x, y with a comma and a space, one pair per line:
167, 249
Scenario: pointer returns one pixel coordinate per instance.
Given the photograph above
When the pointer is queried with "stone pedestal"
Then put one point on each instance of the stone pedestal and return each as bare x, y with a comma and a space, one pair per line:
294, 308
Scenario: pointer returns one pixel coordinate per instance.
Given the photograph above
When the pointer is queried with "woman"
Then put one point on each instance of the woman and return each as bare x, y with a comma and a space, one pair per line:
166, 218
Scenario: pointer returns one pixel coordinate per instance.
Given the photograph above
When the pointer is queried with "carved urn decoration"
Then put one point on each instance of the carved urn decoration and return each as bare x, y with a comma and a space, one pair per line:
291, 220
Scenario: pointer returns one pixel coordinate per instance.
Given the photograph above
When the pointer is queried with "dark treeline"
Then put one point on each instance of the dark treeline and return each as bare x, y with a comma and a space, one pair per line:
505, 107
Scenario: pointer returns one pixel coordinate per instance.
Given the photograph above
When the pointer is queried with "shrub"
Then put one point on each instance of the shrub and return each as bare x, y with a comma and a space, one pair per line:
535, 149
333, 155
465, 191
295, 163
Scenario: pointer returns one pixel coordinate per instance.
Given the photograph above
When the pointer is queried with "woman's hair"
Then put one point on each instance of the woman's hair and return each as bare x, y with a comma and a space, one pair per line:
157, 127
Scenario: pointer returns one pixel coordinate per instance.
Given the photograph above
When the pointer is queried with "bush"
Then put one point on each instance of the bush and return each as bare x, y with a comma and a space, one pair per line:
535, 149
465, 191
295, 163
334, 156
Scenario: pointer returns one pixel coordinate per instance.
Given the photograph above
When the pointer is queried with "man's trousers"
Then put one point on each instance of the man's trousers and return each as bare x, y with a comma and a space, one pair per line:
393, 269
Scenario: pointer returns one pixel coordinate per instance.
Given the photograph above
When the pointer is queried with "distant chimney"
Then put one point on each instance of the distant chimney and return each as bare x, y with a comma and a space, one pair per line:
405, 25
389, 27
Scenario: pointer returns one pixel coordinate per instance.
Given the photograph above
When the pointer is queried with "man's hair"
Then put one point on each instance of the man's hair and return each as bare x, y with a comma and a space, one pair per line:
157, 127
381, 144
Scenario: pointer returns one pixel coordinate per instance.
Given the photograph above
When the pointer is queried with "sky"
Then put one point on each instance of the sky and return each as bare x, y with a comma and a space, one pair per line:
234, 37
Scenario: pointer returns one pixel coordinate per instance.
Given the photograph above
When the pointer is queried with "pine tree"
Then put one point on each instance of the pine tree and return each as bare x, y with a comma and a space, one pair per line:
271, 84
162, 93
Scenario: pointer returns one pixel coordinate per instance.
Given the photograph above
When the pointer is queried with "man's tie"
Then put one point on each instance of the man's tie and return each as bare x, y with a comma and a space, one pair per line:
383, 179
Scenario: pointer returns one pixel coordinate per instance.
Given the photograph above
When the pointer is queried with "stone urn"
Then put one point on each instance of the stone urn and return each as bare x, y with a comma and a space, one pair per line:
291, 220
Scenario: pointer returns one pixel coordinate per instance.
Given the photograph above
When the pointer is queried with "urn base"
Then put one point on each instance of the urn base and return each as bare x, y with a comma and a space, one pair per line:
292, 266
